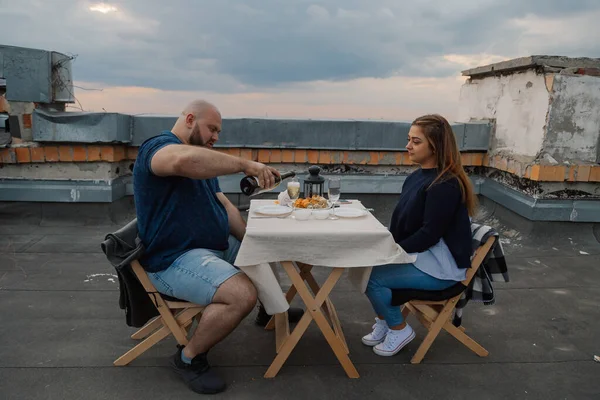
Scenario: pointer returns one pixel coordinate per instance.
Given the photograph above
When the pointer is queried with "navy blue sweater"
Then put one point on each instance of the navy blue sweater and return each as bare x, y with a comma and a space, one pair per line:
423, 216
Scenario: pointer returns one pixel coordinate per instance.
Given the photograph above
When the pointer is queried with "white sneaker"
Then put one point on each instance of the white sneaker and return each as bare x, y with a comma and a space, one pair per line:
394, 341
380, 329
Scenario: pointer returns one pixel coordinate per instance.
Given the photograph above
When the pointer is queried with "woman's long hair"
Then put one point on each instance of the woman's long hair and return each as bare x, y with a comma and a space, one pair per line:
439, 134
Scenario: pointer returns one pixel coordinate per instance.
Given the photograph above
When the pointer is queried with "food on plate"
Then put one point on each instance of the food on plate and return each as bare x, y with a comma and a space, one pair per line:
315, 201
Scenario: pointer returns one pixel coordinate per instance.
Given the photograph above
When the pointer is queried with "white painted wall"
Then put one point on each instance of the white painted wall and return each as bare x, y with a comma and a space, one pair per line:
518, 102
574, 121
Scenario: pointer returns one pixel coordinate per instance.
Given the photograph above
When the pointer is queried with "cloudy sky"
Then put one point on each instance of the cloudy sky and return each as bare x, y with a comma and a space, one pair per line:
375, 59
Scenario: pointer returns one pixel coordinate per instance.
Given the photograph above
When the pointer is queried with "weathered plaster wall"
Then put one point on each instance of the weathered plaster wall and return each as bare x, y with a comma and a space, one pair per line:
573, 131
98, 171
518, 103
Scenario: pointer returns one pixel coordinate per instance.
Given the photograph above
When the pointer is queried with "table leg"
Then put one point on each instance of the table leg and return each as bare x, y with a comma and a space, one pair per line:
305, 274
328, 308
313, 306
314, 286
282, 332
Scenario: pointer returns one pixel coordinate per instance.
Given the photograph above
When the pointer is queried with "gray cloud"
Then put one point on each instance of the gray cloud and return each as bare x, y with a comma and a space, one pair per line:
233, 46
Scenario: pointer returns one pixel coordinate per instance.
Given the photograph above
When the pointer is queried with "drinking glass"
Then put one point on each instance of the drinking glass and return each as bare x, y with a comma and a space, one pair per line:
334, 192
293, 190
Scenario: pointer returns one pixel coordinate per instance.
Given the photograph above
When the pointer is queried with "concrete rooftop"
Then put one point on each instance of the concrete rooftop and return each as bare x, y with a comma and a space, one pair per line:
61, 326
547, 62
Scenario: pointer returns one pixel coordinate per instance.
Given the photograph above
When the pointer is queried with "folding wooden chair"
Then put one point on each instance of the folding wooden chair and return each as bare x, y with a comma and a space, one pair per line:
436, 315
165, 324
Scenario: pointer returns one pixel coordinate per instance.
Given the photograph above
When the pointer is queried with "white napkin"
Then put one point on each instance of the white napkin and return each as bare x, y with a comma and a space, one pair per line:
284, 199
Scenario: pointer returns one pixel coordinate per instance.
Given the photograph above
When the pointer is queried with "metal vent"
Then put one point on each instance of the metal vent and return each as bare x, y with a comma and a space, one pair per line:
34, 75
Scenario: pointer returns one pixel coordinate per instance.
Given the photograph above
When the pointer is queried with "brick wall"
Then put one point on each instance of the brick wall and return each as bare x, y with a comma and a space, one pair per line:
66, 153
115, 153
3, 105
545, 173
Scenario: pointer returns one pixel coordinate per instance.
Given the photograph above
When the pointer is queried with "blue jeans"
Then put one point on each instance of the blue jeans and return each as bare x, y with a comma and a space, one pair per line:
384, 278
196, 275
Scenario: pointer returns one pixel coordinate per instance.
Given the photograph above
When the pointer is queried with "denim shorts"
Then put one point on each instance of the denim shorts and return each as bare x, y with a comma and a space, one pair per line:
196, 275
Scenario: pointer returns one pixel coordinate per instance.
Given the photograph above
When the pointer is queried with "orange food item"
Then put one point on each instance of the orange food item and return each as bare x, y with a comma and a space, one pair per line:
313, 202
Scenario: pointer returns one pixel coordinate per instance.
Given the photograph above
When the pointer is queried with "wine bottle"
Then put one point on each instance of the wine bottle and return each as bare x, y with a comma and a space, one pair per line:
250, 187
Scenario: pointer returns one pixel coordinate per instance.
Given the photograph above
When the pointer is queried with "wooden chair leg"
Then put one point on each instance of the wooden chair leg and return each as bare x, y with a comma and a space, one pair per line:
405, 311
434, 330
184, 319
195, 321
168, 319
141, 347
179, 332
466, 340
422, 318
147, 329
426, 315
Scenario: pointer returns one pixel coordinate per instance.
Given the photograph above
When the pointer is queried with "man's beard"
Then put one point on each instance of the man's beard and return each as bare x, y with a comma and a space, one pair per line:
196, 137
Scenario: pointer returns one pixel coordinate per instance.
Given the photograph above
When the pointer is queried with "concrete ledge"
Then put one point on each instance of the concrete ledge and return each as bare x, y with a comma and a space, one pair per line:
315, 134
62, 191
81, 127
552, 63
387, 186
541, 209
355, 184
248, 132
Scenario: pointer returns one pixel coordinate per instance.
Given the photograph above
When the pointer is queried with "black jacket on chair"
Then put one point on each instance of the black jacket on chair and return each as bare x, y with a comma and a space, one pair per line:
120, 248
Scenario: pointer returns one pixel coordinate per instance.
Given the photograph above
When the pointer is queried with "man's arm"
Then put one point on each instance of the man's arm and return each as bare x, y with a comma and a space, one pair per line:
201, 163
237, 225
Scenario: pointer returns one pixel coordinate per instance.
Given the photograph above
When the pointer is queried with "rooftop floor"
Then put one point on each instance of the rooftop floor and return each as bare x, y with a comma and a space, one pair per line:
62, 328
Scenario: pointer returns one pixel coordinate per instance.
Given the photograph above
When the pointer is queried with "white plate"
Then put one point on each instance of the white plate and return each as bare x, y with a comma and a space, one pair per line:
273, 210
349, 212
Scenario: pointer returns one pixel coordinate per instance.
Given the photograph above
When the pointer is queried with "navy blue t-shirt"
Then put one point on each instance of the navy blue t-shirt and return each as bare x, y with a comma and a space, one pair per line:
425, 214
175, 214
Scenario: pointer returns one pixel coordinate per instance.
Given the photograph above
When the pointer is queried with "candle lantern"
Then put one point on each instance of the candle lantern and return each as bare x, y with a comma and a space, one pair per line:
313, 183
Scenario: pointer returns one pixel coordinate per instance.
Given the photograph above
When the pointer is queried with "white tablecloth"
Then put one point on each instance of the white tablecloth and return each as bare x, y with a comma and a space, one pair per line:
353, 243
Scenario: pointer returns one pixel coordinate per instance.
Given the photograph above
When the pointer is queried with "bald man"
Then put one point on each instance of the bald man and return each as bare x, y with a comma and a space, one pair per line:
192, 232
